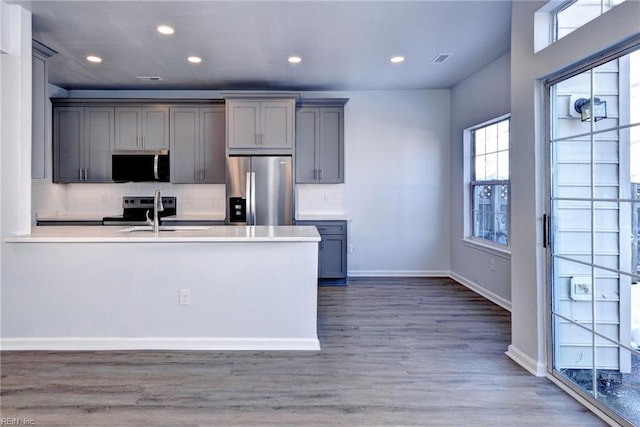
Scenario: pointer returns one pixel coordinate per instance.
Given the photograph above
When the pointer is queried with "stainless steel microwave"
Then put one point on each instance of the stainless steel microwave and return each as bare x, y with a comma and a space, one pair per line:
140, 166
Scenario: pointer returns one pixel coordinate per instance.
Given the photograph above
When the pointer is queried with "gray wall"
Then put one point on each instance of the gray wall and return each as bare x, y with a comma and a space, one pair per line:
482, 97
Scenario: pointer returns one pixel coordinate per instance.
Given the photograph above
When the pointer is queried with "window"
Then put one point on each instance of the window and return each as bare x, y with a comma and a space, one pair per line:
574, 14
490, 182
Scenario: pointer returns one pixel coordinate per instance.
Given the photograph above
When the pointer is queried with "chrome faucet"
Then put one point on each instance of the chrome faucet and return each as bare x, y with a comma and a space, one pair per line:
157, 207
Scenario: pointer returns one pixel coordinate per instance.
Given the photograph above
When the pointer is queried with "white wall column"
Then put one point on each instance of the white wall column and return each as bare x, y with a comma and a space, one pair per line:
15, 119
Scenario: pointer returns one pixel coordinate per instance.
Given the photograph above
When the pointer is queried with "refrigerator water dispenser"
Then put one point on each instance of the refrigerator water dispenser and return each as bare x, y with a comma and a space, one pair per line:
237, 209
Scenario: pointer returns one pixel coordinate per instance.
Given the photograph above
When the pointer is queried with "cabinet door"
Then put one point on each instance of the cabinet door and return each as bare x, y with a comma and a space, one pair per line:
38, 120
99, 138
155, 128
333, 256
307, 127
185, 137
128, 128
331, 146
276, 124
68, 126
212, 129
243, 124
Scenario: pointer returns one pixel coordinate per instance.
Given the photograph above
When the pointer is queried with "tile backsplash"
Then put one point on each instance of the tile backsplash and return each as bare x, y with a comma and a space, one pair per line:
107, 198
314, 199
193, 199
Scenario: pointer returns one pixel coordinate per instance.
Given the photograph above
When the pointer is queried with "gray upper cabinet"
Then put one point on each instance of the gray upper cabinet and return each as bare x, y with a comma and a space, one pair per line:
39, 108
82, 141
260, 124
320, 144
197, 144
142, 128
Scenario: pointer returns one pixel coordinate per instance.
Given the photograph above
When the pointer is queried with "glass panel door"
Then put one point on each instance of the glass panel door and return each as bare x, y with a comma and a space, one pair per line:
595, 233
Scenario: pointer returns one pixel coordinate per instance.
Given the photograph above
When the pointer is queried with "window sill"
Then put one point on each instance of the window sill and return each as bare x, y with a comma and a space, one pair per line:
500, 251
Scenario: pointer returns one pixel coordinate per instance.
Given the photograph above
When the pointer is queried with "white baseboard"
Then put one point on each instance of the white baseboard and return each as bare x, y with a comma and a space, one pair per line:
494, 298
539, 369
118, 343
398, 273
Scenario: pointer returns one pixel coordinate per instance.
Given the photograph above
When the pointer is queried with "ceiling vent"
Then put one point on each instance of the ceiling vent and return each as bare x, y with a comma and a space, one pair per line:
440, 58
149, 78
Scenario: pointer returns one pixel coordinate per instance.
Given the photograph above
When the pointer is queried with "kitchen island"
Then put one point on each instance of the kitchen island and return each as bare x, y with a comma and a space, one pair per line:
198, 288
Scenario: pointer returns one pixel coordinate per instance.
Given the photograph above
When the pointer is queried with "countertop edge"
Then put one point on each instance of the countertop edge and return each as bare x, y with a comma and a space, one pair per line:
213, 234
160, 239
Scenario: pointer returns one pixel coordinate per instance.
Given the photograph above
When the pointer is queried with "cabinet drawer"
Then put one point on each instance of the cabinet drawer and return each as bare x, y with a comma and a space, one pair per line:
327, 227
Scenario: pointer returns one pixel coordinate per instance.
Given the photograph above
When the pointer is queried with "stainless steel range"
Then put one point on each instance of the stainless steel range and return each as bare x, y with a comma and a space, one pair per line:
134, 210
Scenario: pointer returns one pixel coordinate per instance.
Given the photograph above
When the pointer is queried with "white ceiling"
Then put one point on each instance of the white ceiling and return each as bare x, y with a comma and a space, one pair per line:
344, 45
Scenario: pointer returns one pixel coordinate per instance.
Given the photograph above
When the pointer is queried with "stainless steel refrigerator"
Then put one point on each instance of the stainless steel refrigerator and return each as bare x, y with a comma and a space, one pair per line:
259, 190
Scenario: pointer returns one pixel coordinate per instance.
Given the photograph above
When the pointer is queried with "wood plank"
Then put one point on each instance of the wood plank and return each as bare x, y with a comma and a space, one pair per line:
394, 351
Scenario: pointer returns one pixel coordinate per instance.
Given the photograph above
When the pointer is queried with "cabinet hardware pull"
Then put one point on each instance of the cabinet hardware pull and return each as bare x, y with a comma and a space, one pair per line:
320, 174
315, 174
80, 174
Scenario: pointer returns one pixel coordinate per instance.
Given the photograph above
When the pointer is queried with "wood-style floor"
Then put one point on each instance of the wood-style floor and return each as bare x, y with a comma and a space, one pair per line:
394, 352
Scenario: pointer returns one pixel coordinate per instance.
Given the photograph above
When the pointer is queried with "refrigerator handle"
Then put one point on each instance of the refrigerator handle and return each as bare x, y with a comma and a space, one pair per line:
247, 193
253, 198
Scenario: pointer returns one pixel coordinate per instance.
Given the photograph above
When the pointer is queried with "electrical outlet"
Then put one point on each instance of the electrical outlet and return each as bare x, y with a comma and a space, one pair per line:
184, 297
350, 249
492, 264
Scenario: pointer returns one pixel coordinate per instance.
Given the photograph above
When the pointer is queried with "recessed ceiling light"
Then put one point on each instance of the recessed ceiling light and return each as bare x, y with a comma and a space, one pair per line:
294, 59
165, 29
194, 59
94, 59
397, 59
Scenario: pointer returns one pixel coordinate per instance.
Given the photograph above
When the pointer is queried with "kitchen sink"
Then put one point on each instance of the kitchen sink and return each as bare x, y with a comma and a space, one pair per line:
148, 228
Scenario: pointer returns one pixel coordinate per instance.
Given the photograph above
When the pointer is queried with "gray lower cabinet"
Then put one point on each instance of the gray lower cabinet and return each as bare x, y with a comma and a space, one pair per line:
142, 128
332, 253
82, 141
320, 145
197, 144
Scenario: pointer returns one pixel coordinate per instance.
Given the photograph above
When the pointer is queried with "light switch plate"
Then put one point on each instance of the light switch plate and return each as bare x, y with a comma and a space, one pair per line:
184, 297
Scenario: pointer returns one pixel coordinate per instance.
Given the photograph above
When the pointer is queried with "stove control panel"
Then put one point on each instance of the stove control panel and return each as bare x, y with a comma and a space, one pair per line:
132, 202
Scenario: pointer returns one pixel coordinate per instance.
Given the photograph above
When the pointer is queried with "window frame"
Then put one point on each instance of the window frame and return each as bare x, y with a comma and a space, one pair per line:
470, 183
568, 4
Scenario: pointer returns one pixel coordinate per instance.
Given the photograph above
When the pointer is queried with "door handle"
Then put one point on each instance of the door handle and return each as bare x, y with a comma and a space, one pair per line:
253, 198
247, 195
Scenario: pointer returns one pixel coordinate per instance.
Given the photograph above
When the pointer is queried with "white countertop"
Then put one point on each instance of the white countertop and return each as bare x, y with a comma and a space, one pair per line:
213, 234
